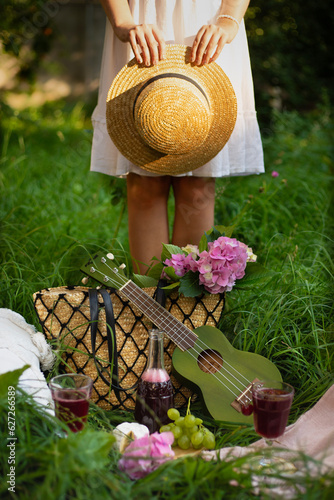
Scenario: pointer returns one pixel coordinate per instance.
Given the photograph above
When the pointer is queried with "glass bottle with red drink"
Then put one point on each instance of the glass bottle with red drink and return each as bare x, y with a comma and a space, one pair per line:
155, 391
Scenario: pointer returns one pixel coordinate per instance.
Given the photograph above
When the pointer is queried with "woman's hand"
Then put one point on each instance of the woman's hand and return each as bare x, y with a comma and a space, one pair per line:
146, 40
210, 40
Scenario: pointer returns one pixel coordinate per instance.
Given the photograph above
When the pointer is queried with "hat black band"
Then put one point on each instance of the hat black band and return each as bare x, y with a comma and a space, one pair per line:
168, 75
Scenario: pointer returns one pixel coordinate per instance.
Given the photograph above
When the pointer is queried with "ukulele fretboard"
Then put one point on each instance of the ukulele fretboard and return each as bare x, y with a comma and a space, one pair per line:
180, 334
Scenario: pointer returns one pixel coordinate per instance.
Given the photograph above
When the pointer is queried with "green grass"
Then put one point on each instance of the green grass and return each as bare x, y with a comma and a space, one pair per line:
54, 213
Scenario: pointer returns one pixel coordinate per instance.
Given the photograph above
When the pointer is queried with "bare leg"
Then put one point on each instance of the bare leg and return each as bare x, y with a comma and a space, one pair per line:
194, 208
147, 217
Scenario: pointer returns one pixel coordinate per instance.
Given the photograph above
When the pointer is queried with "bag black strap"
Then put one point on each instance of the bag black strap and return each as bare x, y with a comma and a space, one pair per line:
111, 339
111, 334
159, 295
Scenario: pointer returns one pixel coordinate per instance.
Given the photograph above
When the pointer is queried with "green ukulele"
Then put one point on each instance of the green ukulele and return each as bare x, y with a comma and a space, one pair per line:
203, 359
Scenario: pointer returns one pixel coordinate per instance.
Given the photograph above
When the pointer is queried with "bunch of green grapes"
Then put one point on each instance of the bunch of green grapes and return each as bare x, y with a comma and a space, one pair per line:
188, 431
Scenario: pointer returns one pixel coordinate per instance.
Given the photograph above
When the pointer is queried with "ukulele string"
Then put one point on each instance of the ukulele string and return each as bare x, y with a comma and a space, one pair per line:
179, 326
123, 281
131, 293
122, 278
205, 346
210, 359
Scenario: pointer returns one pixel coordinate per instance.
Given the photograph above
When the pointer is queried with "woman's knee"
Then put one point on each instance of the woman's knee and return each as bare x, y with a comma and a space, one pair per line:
195, 191
144, 190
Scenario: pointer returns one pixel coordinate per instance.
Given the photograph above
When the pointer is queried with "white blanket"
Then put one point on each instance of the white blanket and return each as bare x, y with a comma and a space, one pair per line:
21, 344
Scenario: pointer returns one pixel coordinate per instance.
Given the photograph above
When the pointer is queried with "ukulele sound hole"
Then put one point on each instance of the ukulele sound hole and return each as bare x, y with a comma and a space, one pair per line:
210, 361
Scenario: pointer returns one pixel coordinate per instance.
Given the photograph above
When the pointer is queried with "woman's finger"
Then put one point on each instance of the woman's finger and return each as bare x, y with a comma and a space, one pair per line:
147, 44
158, 35
135, 47
210, 41
219, 48
196, 45
214, 47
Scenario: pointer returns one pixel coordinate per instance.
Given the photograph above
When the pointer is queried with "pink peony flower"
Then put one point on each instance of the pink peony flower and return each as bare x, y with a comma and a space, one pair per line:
145, 454
222, 264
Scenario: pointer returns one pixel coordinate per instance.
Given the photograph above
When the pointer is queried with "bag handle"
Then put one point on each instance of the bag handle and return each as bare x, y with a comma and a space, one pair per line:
111, 333
111, 339
159, 295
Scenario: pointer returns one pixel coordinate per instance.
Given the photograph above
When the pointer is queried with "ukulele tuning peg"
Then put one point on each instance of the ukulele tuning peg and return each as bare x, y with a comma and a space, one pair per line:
122, 266
106, 278
103, 260
110, 256
92, 269
84, 280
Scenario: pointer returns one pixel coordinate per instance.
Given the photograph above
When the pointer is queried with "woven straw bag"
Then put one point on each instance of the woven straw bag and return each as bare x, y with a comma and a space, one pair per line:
65, 316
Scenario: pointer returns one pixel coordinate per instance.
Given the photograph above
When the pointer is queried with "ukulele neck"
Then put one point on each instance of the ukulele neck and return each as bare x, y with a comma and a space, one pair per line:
181, 335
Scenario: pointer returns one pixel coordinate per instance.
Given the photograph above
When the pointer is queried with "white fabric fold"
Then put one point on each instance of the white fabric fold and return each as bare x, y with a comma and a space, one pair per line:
21, 344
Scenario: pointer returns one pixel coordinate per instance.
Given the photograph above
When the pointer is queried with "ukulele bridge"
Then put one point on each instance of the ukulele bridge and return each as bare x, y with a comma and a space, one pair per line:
244, 399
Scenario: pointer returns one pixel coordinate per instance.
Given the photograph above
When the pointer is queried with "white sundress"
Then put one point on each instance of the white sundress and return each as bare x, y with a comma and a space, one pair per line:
180, 21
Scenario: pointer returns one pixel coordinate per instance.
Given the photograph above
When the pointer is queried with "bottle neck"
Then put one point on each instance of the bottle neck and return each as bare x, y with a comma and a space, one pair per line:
156, 350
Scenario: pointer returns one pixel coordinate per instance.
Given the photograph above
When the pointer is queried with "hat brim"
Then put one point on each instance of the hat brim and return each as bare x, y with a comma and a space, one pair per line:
120, 120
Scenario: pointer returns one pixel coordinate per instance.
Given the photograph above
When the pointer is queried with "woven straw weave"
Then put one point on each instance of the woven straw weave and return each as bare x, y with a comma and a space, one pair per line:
64, 315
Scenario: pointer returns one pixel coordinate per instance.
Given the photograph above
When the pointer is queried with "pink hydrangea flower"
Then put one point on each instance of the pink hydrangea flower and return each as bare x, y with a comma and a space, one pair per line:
145, 454
219, 267
177, 262
193, 249
251, 257
190, 263
182, 263
222, 264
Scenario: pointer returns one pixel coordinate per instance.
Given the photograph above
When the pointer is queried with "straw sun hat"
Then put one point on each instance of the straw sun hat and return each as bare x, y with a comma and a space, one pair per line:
172, 117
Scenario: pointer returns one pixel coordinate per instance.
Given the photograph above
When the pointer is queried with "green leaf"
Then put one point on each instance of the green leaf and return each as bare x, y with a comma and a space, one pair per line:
189, 285
226, 230
168, 250
254, 274
170, 271
172, 286
88, 446
203, 244
144, 281
216, 231
155, 271
254, 269
10, 379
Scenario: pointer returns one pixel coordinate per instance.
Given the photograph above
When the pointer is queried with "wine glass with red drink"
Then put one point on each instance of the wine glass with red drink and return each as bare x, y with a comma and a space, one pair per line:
271, 407
71, 393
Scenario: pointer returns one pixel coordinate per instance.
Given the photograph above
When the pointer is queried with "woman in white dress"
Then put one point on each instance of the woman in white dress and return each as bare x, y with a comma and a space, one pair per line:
215, 31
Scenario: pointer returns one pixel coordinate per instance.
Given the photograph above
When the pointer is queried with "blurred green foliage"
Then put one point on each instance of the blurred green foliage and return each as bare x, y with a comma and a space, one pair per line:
291, 52
27, 32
